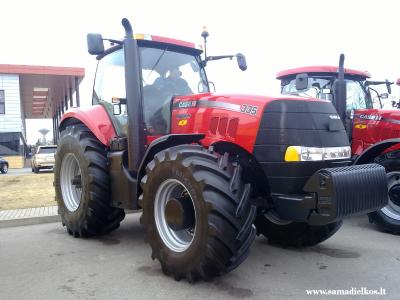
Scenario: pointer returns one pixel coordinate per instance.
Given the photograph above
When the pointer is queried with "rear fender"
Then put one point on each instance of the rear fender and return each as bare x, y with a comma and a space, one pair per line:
375, 150
95, 118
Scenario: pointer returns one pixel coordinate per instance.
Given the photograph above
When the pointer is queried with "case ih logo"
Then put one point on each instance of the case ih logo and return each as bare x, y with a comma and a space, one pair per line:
370, 117
187, 104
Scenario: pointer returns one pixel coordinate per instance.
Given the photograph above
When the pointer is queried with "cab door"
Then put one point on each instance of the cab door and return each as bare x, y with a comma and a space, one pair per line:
361, 114
109, 90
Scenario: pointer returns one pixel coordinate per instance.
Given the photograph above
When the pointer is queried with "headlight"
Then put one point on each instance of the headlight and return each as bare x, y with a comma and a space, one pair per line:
300, 153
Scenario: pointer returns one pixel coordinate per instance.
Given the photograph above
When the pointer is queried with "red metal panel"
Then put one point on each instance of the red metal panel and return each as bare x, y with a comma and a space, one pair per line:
201, 112
161, 39
41, 70
372, 126
96, 119
321, 69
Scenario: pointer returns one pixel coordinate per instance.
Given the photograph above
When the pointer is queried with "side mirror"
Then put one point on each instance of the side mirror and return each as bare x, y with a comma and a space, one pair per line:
95, 43
241, 61
384, 96
301, 81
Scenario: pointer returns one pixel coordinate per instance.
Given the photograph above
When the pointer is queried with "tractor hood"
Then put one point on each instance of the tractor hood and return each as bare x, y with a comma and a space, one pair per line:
233, 102
239, 118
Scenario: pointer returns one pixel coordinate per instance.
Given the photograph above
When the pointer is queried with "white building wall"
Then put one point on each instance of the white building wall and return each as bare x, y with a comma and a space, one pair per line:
11, 121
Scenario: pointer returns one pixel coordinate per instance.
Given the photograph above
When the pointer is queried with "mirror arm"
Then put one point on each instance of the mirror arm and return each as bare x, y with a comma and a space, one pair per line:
368, 83
209, 58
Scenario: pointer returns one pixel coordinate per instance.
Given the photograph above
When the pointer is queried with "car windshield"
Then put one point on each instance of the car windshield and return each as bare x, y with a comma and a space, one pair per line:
321, 88
47, 150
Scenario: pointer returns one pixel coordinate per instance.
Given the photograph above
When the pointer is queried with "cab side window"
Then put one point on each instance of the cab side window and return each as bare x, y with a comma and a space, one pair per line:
109, 84
356, 98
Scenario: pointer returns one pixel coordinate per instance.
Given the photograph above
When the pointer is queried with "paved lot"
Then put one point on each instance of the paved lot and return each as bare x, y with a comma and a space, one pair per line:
23, 171
43, 262
17, 172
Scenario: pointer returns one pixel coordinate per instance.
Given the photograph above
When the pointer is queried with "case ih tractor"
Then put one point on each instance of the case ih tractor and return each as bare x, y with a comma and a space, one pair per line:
202, 166
374, 132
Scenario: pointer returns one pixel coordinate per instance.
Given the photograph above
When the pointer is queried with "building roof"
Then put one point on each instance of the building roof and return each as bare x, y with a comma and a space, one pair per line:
321, 69
44, 88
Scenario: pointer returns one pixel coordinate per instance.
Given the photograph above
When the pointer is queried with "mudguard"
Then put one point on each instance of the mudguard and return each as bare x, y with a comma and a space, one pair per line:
373, 151
95, 118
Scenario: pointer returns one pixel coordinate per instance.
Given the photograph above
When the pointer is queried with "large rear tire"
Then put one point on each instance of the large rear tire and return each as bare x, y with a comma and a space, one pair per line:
82, 184
217, 231
294, 234
388, 217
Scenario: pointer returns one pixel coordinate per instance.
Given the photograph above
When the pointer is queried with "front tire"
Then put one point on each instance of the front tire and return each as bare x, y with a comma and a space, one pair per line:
82, 184
294, 234
388, 217
216, 216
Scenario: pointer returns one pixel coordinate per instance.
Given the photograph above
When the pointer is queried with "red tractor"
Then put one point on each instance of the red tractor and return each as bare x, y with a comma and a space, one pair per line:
202, 166
374, 132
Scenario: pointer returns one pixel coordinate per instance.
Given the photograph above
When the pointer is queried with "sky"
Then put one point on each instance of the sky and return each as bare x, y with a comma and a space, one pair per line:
274, 35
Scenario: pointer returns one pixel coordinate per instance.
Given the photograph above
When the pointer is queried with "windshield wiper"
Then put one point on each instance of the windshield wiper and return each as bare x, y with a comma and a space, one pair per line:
156, 64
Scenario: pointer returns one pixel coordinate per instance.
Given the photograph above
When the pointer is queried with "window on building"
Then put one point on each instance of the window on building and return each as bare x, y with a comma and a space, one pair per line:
2, 103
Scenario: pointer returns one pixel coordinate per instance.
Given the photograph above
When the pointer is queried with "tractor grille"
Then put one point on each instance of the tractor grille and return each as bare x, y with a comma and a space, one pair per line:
296, 123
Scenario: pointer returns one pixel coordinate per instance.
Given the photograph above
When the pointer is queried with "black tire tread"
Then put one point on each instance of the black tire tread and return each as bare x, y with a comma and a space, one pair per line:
230, 234
100, 217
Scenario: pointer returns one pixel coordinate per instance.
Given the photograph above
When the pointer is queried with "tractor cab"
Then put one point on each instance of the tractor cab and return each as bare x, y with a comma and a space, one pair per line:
168, 68
318, 82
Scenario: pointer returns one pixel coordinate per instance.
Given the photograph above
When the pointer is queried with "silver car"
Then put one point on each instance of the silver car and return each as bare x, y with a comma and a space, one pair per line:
43, 158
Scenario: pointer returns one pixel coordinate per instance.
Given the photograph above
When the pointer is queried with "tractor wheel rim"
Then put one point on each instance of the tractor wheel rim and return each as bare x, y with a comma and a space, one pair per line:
392, 210
71, 192
175, 240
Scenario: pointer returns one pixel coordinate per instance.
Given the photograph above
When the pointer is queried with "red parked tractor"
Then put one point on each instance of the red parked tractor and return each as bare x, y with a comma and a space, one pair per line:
202, 166
374, 132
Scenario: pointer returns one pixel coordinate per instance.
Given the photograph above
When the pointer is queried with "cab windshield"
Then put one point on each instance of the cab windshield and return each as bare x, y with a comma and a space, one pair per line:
165, 74
321, 88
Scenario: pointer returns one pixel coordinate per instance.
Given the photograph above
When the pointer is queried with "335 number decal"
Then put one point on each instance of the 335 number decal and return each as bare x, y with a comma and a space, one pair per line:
249, 109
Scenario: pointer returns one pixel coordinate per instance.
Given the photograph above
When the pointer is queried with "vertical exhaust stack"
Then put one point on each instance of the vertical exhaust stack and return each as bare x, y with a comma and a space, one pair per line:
339, 87
133, 86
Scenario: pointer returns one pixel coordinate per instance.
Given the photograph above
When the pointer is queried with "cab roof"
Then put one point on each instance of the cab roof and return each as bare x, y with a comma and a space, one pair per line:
166, 40
321, 70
